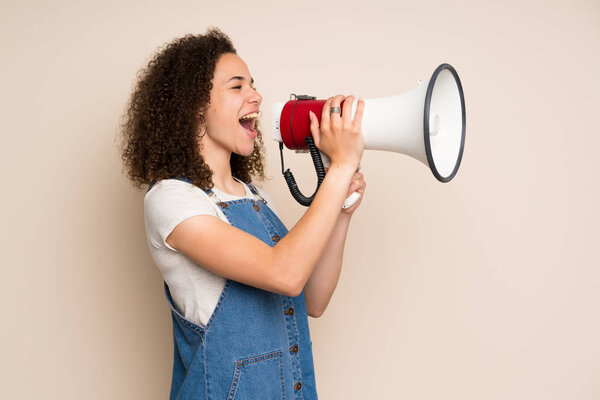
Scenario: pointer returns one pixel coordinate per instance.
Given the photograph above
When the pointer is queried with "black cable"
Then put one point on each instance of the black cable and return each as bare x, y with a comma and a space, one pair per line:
291, 181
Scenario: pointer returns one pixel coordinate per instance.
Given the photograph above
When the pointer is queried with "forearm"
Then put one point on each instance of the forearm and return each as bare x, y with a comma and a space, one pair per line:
299, 251
323, 281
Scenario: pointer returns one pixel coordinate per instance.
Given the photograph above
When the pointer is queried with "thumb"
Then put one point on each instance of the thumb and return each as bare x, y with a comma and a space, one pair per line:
314, 127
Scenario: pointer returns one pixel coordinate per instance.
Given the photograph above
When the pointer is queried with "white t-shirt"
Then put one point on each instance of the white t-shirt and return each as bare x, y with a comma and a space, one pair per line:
195, 290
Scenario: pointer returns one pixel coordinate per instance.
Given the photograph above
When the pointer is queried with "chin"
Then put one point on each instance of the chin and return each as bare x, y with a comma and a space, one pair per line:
245, 152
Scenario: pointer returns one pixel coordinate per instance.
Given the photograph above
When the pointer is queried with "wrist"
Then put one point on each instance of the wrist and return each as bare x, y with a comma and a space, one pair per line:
343, 167
344, 216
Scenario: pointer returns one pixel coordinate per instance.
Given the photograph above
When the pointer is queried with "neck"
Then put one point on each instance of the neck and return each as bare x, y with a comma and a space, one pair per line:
218, 161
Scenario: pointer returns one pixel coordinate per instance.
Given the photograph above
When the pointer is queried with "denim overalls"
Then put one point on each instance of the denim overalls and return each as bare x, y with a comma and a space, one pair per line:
256, 344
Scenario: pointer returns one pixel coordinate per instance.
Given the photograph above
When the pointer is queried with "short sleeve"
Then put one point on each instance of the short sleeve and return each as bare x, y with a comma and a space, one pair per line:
168, 204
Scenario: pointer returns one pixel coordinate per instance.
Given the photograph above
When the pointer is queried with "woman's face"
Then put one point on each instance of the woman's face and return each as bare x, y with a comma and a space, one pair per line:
232, 97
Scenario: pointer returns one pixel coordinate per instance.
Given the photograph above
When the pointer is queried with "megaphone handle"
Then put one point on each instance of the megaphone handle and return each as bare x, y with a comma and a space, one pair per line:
350, 200
354, 196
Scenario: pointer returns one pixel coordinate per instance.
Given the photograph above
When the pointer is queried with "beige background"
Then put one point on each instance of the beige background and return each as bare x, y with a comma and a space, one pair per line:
484, 288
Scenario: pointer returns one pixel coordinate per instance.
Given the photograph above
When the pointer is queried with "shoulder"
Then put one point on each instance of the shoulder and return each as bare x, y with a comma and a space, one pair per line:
173, 190
171, 201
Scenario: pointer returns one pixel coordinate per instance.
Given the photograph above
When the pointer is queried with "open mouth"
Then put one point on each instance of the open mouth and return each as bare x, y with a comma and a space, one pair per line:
248, 122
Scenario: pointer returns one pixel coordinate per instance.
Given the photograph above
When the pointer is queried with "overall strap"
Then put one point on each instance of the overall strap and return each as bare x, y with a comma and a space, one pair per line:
210, 192
254, 190
214, 197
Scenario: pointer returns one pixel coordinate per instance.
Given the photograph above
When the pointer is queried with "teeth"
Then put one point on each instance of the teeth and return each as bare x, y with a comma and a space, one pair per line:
250, 116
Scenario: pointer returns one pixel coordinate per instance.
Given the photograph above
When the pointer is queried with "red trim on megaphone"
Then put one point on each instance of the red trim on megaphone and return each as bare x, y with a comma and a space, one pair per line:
294, 123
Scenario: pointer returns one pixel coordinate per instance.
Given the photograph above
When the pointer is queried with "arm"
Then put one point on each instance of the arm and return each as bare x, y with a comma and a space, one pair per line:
286, 267
325, 276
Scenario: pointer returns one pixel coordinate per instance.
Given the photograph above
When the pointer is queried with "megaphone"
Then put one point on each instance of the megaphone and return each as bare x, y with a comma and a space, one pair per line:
427, 123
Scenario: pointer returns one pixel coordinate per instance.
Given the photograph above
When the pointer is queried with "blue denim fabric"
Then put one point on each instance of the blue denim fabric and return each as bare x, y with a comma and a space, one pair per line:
253, 346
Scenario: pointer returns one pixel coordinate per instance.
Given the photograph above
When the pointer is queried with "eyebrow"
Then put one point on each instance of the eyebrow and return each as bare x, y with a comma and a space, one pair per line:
241, 78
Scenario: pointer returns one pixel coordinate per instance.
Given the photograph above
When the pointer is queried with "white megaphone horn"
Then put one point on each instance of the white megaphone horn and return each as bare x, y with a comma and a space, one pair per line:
427, 123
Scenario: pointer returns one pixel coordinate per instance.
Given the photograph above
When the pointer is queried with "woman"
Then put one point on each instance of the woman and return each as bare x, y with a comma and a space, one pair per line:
240, 286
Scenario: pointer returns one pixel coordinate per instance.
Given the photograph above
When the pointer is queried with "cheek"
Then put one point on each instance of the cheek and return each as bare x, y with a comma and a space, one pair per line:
214, 118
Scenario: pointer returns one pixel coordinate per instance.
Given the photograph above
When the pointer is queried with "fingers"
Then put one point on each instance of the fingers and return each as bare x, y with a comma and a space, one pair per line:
314, 128
325, 113
339, 132
336, 118
357, 184
347, 111
357, 122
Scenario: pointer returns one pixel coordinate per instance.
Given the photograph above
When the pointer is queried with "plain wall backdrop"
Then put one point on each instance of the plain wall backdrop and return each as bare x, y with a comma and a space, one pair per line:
483, 288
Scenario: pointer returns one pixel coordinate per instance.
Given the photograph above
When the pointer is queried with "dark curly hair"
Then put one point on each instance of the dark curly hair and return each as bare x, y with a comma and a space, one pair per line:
160, 128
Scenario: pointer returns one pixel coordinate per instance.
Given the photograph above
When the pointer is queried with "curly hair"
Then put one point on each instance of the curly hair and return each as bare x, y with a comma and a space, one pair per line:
160, 128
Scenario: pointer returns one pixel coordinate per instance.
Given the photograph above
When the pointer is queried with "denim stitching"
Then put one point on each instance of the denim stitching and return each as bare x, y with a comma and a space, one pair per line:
273, 215
198, 329
266, 222
187, 375
298, 353
265, 216
219, 304
281, 375
234, 383
292, 328
270, 229
261, 357
237, 201
206, 391
238, 370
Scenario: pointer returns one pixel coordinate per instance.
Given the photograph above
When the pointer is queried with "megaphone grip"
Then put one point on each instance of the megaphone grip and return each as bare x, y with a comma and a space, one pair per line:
350, 200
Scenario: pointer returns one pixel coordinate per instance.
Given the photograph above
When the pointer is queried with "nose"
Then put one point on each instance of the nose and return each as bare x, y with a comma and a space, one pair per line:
255, 97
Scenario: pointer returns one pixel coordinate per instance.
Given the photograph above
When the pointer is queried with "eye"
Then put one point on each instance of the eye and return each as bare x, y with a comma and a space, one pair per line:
237, 87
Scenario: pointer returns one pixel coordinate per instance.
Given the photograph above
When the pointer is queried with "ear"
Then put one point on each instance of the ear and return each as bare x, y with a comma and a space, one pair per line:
201, 117
201, 125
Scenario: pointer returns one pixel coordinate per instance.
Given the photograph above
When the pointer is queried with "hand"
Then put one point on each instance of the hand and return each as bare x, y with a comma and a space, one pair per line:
359, 185
337, 135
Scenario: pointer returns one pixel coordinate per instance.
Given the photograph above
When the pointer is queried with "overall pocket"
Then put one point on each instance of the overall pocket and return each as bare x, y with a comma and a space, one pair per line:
258, 377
